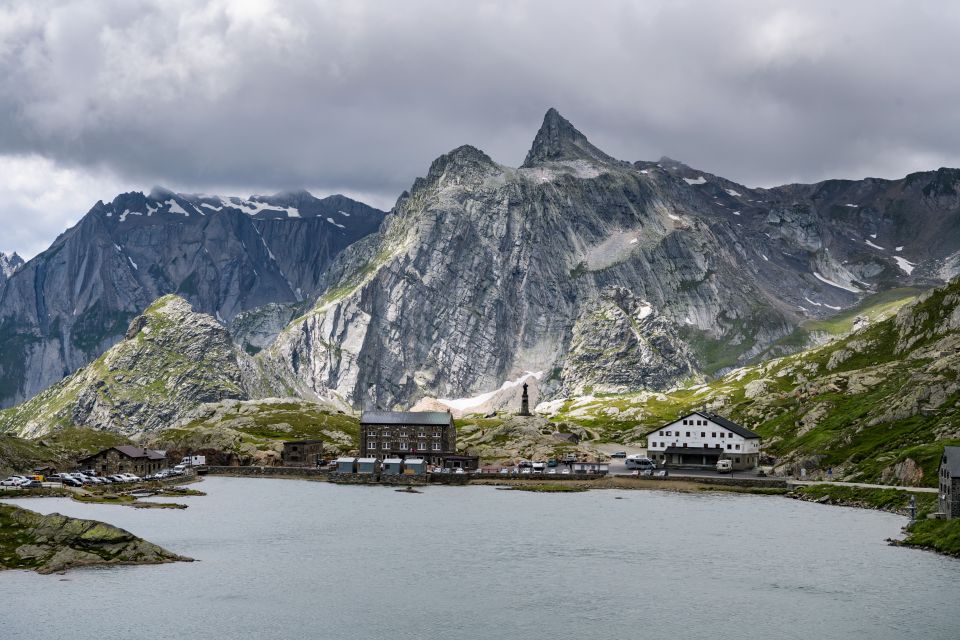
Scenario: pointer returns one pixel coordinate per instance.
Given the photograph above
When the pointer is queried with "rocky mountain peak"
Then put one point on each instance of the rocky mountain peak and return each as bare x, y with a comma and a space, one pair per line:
9, 264
558, 139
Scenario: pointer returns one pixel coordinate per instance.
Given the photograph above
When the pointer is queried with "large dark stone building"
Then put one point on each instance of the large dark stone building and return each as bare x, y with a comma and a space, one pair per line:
950, 482
125, 459
302, 453
430, 435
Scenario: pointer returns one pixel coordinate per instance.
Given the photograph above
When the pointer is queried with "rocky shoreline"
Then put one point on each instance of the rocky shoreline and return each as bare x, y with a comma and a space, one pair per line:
55, 543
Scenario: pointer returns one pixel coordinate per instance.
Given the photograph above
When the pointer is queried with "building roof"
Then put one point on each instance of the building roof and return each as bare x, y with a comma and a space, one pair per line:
416, 418
730, 425
952, 454
366, 460
342, 460
303, 442
132, 452
392, 461
414, 461
695, 450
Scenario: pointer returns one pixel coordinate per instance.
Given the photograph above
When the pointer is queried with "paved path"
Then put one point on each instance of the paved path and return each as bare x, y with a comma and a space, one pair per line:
864, 485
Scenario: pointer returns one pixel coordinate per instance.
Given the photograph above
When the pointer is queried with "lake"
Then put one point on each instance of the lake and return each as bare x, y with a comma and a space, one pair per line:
298, 559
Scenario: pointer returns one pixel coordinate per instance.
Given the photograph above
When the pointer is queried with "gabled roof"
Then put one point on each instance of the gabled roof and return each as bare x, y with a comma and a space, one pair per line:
730, 425
131, 451
415, 418
952, 454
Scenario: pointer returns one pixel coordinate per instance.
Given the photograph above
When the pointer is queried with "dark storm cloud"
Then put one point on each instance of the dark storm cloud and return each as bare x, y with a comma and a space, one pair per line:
359, 96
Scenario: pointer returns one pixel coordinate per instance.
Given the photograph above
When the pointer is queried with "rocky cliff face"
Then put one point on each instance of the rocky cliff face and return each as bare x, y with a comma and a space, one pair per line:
224, 255
170, 361
483, 272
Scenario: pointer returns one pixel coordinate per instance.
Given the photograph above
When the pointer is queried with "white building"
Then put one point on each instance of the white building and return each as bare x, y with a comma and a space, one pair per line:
700, 439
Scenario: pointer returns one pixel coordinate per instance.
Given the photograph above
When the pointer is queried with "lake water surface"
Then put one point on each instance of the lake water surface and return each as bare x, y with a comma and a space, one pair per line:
297, 559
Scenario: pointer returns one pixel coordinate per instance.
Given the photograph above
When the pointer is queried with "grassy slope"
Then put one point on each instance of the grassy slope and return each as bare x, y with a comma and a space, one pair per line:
874, 397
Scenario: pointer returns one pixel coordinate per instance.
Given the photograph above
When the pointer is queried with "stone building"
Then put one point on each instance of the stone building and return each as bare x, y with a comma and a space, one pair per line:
125, 459
302, 453
700, 440
950, 482
430, 435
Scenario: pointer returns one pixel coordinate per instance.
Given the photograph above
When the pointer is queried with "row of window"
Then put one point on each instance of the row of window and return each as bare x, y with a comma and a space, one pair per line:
664, 445
404, 446
703, 434
694, 422
402, 434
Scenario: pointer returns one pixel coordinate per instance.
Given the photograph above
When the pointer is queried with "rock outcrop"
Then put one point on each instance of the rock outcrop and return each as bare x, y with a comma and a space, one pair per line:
171, 360
54, 543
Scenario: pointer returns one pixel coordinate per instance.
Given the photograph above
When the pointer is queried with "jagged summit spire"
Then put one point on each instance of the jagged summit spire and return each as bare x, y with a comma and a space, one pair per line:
557, 139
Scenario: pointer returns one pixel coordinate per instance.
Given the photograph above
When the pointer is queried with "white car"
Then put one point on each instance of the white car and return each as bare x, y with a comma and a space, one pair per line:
130, 477
564, 472
551, 472
12, 481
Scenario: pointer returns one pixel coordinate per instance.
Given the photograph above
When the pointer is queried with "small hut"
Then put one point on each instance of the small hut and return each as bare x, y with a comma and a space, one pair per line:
392, 467
346, 465
415, 467
367, 466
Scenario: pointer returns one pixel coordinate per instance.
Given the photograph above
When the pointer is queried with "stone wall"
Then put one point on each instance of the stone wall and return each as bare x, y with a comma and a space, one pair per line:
274, 472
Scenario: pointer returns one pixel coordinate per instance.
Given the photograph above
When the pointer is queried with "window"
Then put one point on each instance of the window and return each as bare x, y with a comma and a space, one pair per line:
372, 445
717, 446
688, 434
729, 446
738, 447
422, 445
661, 433
386, 445
422, 434
737, 459
713, 434
703, 434
436, 435
668, 433
684, 422
404, 445
436, 446
723, 435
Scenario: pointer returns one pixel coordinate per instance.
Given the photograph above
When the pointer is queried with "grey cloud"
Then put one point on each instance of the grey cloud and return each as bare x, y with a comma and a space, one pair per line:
360, 96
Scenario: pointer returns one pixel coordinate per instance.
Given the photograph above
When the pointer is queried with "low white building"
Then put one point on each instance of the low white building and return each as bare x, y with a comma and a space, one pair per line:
701, 439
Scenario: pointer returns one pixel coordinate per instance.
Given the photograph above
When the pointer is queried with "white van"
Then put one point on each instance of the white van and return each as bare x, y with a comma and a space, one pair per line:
724, 466
642, 463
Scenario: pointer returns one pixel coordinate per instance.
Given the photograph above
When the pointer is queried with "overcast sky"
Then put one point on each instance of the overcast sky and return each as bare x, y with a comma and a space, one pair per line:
256, 96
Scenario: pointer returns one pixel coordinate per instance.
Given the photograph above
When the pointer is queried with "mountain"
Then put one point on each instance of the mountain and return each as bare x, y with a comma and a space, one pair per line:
170, 361
876, 405
599, 275
225, 255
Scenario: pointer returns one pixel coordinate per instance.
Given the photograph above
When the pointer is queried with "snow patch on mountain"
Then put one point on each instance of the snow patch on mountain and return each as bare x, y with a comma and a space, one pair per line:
845, 287
904, 264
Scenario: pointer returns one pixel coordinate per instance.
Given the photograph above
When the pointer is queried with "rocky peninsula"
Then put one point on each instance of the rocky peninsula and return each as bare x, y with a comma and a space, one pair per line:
53, 543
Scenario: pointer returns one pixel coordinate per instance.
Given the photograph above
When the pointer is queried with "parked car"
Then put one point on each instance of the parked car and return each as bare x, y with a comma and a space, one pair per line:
130, 477
118, 478
31, 484
12, 481
551, 472
67, 481
619, 454
564, 472
724, 466
552, 462
526, 470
